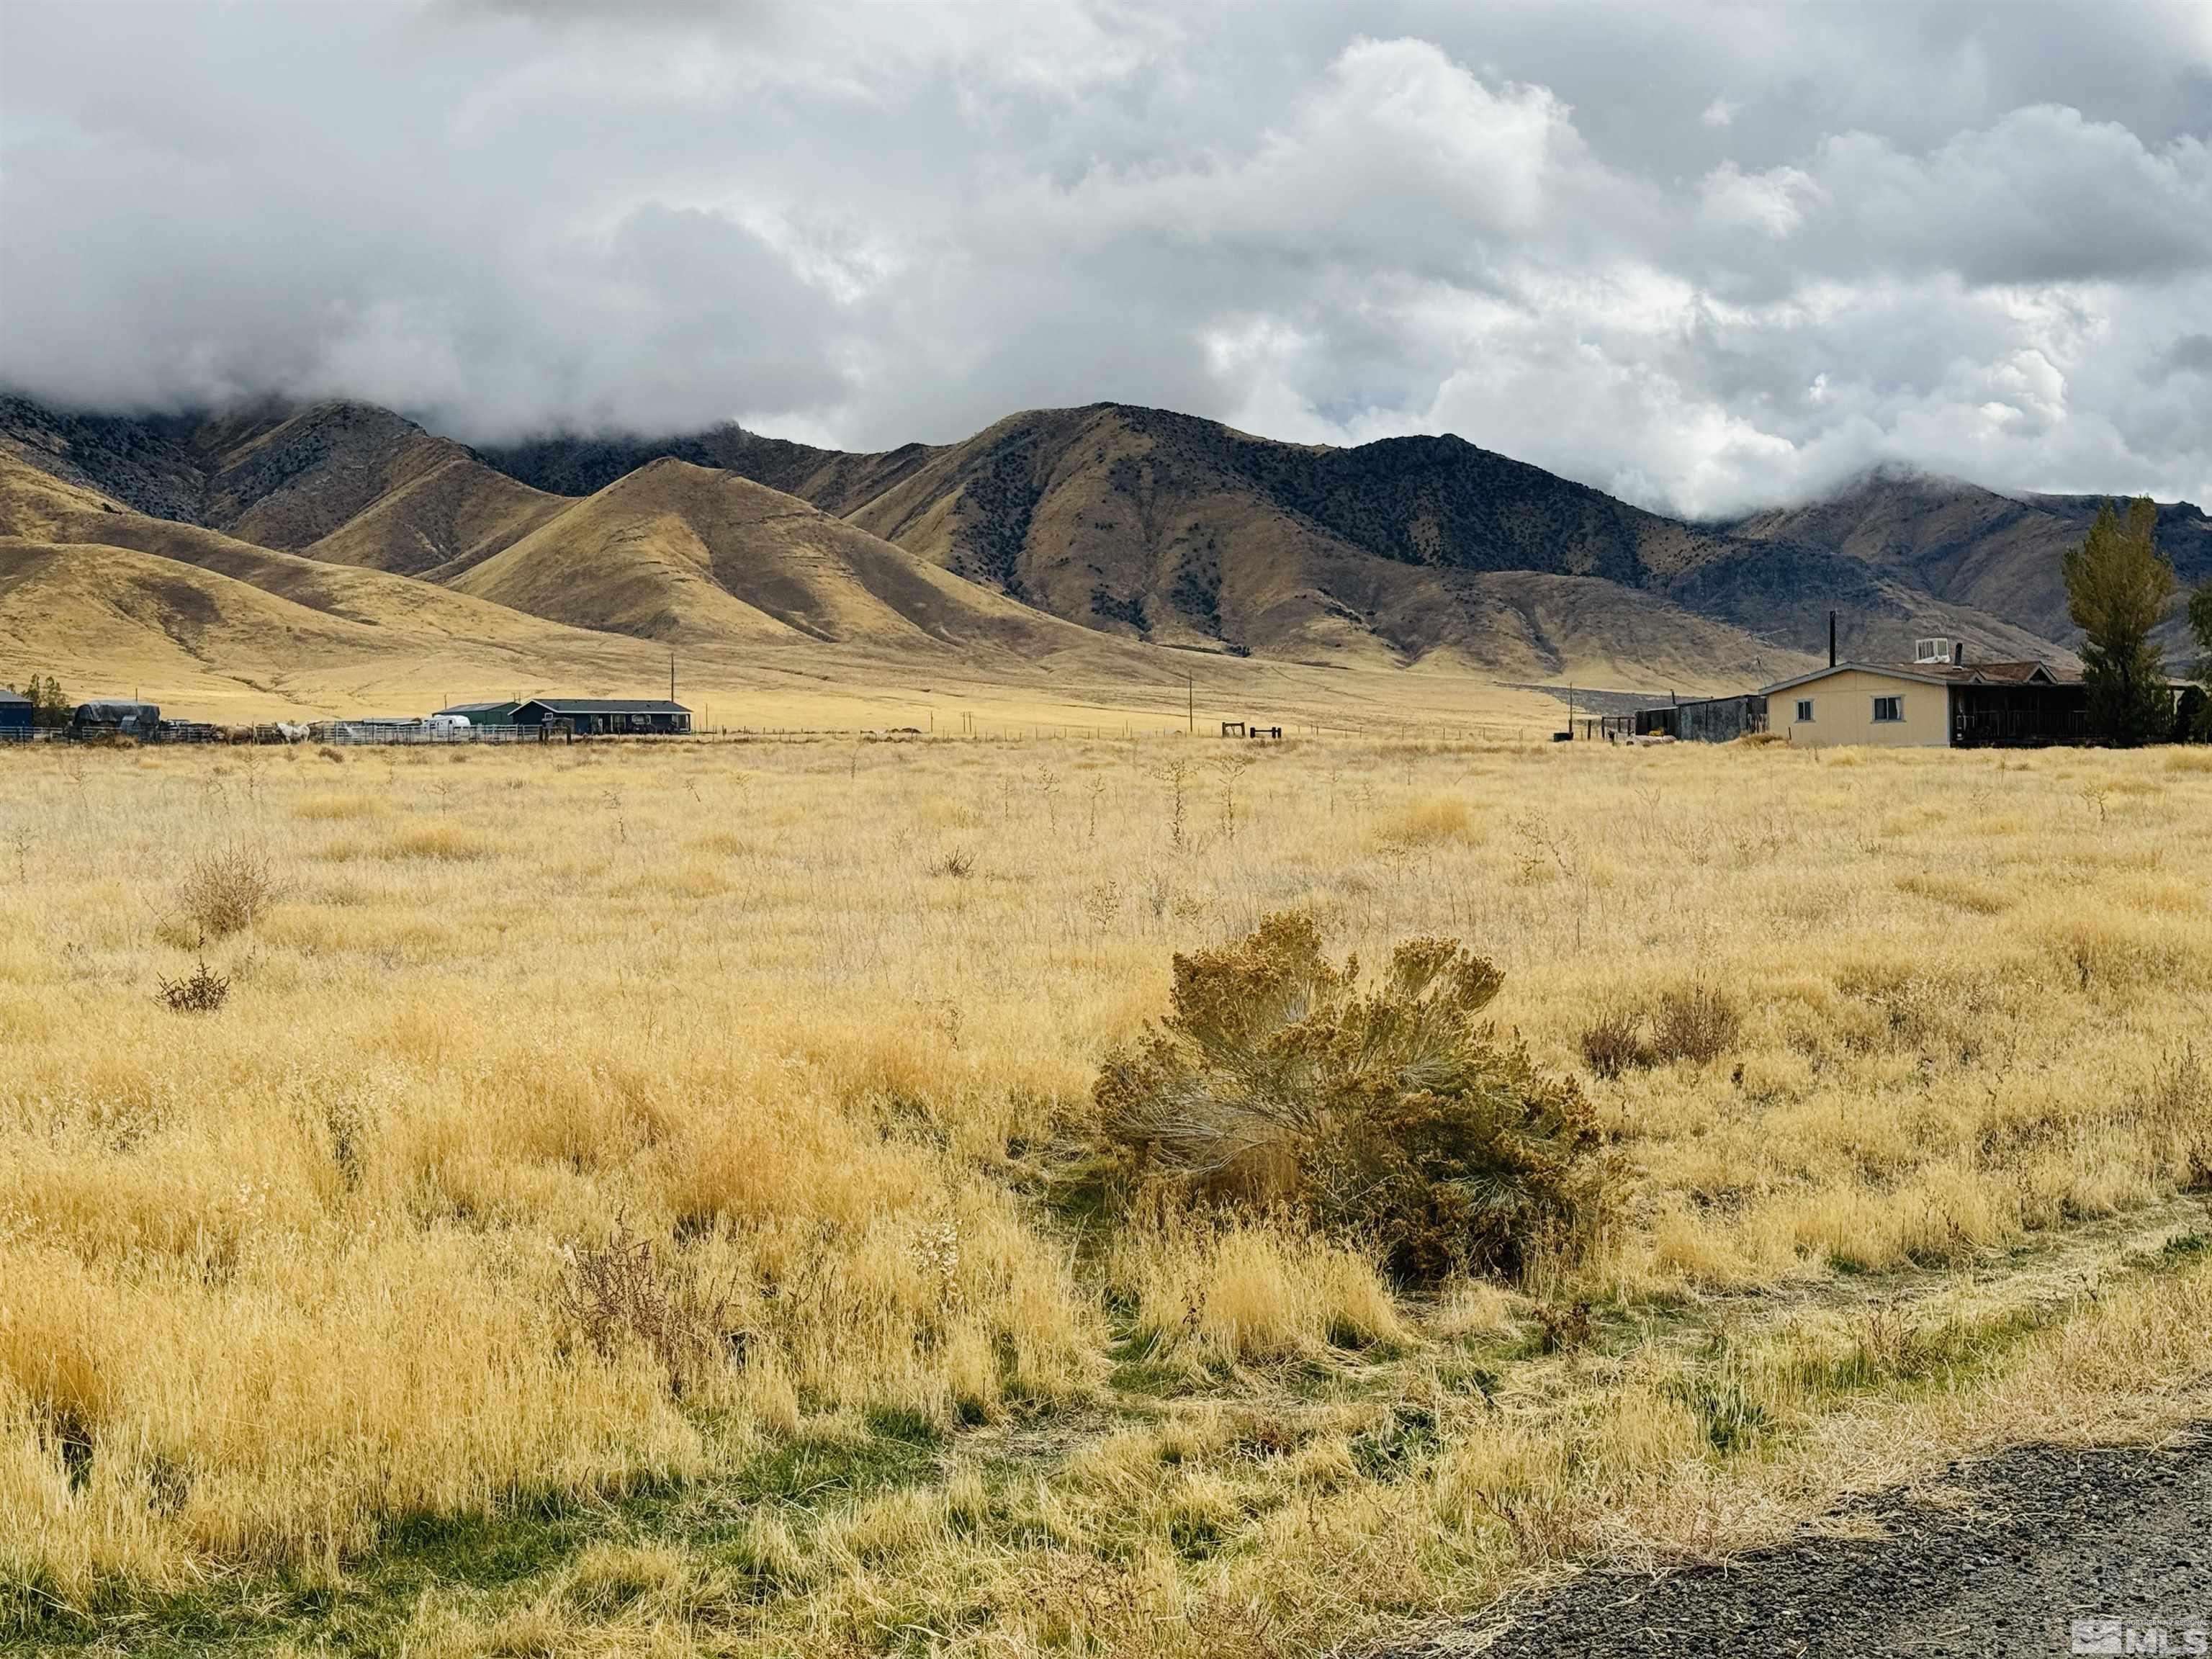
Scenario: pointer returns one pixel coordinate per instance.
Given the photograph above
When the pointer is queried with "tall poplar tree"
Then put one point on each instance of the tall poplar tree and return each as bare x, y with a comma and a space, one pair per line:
2118, 585
2200, 623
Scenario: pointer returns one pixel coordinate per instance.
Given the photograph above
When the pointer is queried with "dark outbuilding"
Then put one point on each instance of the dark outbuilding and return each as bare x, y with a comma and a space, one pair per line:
115, 715
604, 716
1700, 719
484, 714
14, 715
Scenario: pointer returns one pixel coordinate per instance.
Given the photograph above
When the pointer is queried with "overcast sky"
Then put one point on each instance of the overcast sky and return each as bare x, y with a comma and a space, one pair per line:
1704, 256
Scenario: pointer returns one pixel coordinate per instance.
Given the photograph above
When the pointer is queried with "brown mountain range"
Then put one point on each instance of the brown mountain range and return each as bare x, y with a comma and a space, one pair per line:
1049, 537
1972, 547
1169, 527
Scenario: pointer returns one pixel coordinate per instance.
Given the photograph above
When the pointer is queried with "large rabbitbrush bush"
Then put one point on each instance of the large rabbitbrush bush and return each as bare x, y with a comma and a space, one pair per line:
1388, 1109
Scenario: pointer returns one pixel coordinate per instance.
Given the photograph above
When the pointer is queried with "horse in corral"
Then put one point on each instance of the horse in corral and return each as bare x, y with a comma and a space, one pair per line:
292, 731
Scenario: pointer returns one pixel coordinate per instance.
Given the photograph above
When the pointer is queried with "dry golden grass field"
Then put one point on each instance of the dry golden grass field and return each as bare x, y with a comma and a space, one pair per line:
647, 1199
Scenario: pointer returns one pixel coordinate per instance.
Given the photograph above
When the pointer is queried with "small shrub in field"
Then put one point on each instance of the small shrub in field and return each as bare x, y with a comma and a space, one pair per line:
221, 892
624, 1294
201, 991
1699, 1024
1563, 1326
1613, 1044
2180, 1102
1387, 1111
1696, 1023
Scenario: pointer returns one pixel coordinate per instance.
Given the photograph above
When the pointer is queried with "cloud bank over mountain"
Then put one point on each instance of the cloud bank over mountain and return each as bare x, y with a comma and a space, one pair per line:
1704, 258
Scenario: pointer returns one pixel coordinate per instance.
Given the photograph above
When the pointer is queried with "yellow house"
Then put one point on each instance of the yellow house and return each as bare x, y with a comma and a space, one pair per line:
1938, 700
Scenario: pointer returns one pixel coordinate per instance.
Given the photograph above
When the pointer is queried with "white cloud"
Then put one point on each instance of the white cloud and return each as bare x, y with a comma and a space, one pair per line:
1937, 236
1772, 202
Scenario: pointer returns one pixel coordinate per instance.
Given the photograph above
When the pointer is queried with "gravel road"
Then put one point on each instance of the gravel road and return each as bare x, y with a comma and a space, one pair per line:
2119, 1540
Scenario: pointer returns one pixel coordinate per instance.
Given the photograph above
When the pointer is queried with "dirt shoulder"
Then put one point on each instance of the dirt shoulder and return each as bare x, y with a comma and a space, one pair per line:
2001, 1556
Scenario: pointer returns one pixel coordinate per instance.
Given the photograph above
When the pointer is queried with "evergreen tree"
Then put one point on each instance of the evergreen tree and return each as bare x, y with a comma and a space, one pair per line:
2116, 588
2193, 724
2200, 623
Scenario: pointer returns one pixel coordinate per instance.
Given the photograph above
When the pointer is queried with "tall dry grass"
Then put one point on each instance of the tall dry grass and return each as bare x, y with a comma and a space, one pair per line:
275, 1278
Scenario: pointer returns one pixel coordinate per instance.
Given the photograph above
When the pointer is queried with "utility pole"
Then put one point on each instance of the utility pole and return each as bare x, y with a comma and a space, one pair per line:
1189, 708
671, 674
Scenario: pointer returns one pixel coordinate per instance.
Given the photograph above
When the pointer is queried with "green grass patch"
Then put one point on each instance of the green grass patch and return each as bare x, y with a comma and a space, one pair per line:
493, 1558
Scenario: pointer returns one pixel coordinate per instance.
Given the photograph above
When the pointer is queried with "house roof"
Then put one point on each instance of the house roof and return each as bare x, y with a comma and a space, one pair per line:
605, 705
479, 707
1937, 673
1987, 673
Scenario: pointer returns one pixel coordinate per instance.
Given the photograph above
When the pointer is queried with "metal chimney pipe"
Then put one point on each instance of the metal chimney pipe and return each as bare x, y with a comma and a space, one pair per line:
1832, 638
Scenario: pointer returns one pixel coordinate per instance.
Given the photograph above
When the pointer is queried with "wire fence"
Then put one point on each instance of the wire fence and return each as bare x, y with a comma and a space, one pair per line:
412, 733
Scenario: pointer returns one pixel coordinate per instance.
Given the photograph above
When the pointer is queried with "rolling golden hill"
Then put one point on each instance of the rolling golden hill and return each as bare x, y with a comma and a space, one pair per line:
678, 552
109, 598
117, 601
440, 523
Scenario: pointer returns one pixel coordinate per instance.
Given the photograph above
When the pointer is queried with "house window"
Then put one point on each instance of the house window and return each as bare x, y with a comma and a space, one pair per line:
1805, 711
1888, 708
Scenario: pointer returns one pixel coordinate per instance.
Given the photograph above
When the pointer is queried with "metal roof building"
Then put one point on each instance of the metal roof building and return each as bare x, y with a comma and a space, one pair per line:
605, 716
484, 714
15, 713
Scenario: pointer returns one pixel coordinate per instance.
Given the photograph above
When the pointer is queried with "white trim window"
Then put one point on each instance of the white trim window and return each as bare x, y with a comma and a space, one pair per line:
1889, 711
1804, 711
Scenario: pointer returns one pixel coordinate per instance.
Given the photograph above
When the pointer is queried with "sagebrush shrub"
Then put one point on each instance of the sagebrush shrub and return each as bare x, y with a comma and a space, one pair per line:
224, 890
1613, 1044
625, 1293
1698, 1024
1278, 1080
203, 992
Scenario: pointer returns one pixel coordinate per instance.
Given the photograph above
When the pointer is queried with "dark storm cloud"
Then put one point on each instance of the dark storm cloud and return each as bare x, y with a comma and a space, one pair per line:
1703, 256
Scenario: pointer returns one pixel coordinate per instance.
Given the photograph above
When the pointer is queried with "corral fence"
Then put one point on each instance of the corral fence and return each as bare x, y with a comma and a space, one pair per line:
377, 731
